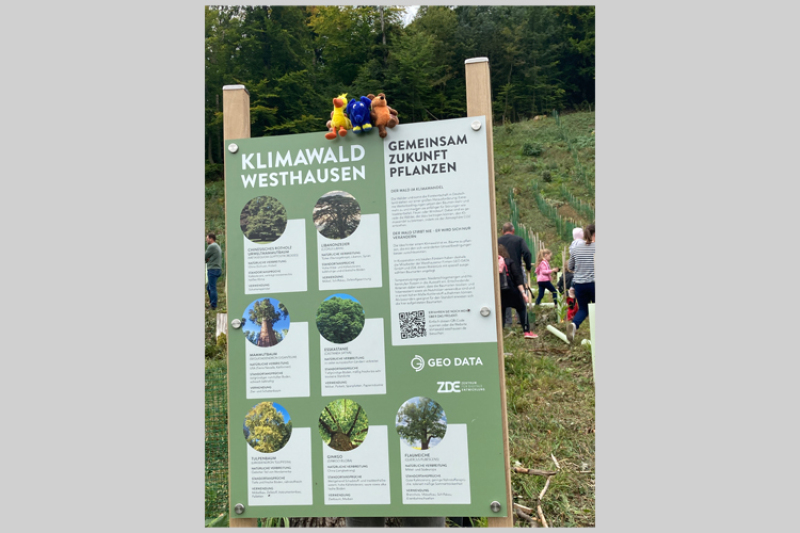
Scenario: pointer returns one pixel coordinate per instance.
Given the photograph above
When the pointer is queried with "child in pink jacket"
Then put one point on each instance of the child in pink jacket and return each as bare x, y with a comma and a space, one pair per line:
543, 272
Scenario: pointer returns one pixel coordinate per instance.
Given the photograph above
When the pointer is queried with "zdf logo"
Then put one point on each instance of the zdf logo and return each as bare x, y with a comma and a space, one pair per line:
418, 363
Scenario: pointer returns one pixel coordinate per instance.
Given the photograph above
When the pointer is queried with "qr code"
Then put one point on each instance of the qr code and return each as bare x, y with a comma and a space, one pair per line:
412, 324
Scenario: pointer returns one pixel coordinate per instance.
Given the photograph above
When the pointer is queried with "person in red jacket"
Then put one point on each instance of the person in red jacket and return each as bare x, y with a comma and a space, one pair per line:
572, 304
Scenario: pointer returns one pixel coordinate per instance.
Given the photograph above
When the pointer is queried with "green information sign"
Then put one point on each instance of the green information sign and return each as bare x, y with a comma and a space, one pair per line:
363, 368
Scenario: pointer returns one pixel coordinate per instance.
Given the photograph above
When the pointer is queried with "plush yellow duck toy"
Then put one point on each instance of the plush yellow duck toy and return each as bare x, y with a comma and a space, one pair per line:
339, 123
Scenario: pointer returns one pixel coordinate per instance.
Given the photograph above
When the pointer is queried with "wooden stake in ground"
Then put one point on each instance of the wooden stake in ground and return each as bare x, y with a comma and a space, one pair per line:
479, 102
235, 125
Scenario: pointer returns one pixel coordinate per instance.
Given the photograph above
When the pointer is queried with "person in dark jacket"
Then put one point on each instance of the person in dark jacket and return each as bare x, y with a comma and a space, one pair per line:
515, 295
214, 268
518, 252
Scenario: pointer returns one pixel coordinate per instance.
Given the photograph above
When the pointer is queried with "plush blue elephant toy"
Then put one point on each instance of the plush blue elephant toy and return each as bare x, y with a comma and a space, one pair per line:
358, 112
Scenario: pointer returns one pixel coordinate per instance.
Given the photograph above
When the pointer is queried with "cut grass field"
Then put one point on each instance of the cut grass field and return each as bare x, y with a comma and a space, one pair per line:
549, 384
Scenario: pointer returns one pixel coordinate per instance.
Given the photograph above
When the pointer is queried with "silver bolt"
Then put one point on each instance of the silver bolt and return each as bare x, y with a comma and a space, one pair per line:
233, 148
476, 125
495, 506
239, 508
485, 311
236, 323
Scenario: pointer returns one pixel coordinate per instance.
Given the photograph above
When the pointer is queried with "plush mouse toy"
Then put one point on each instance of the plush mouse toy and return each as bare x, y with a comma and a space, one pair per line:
381, 114
359, 111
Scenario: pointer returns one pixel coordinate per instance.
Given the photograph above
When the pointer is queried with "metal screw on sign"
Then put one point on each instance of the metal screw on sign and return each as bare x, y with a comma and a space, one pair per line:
495, 506
233, 148
485, 311
239, 508
236, 323
476, 125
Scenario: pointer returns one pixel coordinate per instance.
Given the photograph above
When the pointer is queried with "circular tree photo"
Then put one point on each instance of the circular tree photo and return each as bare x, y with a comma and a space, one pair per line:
263, 219
267, 427
421, 423
265, 322
343, 425
340, 318
337, 215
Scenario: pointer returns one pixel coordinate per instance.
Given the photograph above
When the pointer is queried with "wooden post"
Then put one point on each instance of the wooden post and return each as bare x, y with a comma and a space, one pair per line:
479, 102
235, 125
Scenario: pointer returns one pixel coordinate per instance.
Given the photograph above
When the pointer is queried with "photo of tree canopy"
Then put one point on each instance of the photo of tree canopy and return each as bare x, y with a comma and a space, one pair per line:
421, 423
337, 215
265, 322
263, 219
343, 425
340, 318
267, 427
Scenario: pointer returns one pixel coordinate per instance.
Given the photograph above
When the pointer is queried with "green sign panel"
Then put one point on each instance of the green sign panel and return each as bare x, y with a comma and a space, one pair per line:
363, 374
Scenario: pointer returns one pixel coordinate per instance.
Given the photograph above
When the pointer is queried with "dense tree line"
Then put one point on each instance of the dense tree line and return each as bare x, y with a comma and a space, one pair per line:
295, 59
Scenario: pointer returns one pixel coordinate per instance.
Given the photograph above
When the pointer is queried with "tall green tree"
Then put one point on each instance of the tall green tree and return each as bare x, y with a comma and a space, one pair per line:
340, 320
415, 71
421, 420
577, 55
265, 429
265, 313
542, 89
337, 215
263, 219
441, 25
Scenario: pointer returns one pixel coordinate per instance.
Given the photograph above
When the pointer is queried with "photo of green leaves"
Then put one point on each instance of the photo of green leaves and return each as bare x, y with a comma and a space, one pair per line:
267, 427
343, 425
421, 423
263, 219
340, 318
337, 215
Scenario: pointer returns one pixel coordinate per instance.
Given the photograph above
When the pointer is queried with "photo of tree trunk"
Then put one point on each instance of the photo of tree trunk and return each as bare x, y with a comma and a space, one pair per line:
267, 427
343, 425
421, 423
263, 219
265, 322
337, 215
340, 318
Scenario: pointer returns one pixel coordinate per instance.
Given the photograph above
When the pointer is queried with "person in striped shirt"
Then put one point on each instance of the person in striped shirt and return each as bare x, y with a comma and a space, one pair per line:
581, 261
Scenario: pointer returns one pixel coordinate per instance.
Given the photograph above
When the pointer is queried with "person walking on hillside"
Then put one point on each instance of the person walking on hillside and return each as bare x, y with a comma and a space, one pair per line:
518, 251
214, 267
514, 296
581, 261
543, 272
577, 236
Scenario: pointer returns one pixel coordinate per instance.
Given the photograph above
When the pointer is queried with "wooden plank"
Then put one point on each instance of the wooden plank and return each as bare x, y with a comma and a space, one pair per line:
244, 522
222, 324
479, 102
235, 125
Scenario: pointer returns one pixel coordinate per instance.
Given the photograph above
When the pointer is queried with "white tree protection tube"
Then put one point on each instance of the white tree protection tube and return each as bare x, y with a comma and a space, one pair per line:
557, 333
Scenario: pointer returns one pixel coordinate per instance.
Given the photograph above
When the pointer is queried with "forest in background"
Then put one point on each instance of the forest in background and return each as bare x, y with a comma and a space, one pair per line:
294, 59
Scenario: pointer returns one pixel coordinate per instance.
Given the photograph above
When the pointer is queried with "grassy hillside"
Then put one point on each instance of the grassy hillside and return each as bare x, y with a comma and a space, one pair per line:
545, 152
550, 387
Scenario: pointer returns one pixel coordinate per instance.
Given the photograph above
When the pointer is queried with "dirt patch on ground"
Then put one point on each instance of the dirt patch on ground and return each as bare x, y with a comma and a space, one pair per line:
568, 212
